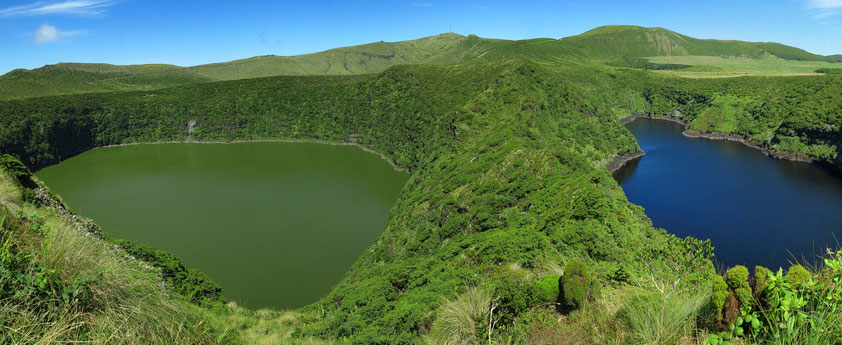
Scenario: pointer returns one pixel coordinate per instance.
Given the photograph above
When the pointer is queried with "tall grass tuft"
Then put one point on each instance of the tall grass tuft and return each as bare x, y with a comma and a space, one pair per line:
657, 318
82, 289
10, 196
457, 320
128, 304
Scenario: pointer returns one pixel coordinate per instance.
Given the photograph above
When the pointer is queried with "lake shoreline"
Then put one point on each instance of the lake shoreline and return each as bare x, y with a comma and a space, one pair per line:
621, 160
313, 141
730, 137
732, 195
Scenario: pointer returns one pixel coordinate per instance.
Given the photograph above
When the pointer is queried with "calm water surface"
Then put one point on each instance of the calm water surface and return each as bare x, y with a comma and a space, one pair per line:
276, 224
756, 210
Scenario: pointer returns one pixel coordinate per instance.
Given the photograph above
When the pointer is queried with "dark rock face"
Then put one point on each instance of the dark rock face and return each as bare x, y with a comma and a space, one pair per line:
622, 159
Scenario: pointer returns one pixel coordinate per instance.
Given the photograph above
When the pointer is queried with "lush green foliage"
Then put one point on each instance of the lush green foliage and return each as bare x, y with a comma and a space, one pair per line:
718, 296
789, 117
549, 288
795, 308
577, 285
797, 275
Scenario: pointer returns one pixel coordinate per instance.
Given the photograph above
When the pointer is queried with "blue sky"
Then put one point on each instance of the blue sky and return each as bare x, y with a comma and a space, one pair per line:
182, 32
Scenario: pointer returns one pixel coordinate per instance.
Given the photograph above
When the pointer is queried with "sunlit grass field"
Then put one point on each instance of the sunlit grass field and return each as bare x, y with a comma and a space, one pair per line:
716, 66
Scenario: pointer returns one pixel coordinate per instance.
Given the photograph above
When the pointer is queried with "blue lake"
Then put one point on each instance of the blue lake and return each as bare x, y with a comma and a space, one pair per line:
755, 209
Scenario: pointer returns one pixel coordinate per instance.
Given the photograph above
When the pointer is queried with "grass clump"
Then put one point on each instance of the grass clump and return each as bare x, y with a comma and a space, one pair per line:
60, 283
657, 318
463, 320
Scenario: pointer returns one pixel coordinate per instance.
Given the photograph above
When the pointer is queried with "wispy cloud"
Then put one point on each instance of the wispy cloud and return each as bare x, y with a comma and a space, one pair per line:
421, 4
47, 33
73, 7
819, 9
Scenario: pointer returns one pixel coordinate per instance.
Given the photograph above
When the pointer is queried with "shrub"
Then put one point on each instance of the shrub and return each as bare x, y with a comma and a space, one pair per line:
516, 295
717, 298
548, 288
743, 294
736, 276
20, 173
797, 275
577, 285
760, 275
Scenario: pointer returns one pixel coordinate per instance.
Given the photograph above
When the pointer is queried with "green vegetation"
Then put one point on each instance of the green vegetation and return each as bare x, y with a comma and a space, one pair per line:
792, 117
718, 66
506, 151
794, 308
577, 285
829, 70
615, 45
59, 282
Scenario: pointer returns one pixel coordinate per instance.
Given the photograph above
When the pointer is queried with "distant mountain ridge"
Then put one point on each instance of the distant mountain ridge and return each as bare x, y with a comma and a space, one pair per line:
619, 45
635, 41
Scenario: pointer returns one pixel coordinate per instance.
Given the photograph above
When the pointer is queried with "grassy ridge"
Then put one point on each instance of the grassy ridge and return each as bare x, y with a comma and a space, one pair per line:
635, 41
624, 46
71, 78
74, 78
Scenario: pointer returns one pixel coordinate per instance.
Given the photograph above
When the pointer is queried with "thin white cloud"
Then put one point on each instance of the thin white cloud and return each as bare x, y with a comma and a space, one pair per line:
422, 4
820, 9
72, 7
824, 3
47, 33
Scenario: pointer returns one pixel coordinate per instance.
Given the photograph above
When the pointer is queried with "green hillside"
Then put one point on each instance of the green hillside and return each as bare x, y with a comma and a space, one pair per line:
71, 78
634, 41
623, 46
368, 58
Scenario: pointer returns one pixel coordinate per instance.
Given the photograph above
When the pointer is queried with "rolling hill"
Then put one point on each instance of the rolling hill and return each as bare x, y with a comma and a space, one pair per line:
635, 41
616, 45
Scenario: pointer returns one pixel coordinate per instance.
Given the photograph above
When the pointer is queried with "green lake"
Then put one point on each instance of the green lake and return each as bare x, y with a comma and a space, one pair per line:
276, 224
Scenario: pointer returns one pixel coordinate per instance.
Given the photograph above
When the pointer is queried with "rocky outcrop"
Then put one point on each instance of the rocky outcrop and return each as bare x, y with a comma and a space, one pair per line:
621, 160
